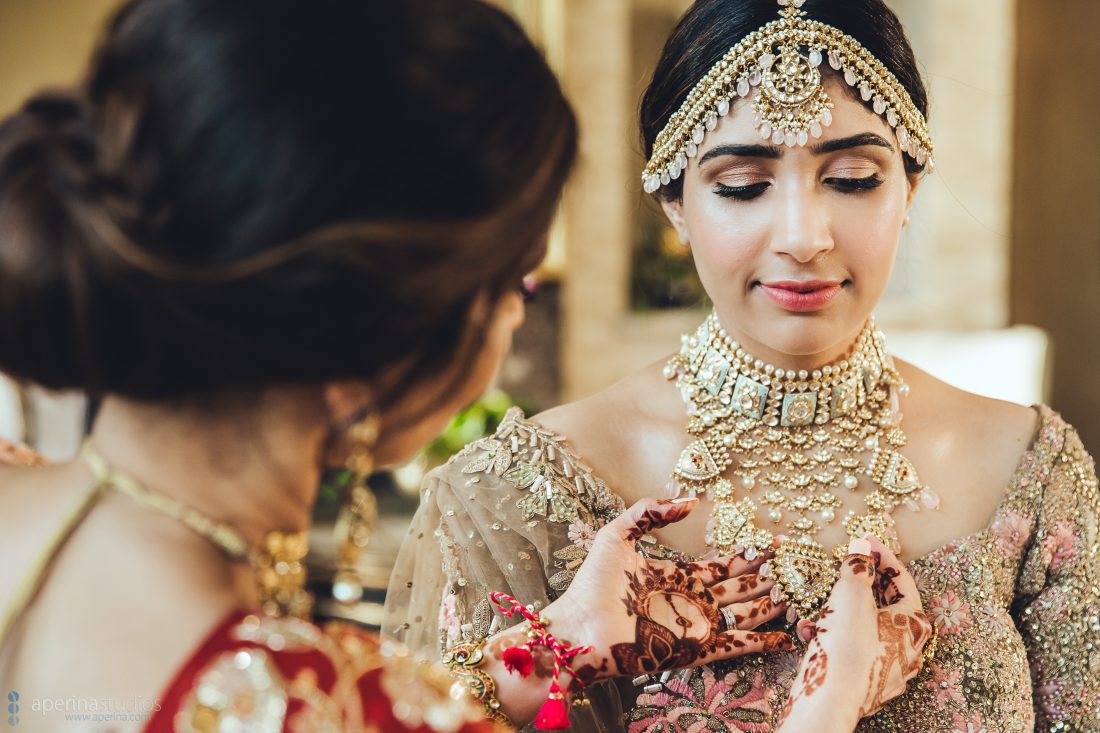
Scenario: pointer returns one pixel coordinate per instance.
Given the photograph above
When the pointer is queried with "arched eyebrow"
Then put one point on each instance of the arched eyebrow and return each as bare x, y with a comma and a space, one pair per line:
772, 152
847, 143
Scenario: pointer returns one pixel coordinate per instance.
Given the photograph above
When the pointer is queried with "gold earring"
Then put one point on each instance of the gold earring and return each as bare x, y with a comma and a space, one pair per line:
357, 517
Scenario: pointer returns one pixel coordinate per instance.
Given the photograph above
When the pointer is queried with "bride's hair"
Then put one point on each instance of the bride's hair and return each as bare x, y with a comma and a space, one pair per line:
261, 192
710, 28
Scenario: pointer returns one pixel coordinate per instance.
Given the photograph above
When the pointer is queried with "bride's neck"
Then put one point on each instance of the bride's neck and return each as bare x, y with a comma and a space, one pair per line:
808, 361
254, 468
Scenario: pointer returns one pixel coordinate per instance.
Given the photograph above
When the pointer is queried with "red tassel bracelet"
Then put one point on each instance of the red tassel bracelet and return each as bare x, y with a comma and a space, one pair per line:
554, 713
519, 659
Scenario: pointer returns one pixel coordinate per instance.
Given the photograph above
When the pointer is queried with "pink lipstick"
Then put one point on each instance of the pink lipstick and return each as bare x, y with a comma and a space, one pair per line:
804, 296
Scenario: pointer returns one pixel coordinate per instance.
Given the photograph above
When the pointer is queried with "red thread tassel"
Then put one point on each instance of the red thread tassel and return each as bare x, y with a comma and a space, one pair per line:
518, 659
554, 713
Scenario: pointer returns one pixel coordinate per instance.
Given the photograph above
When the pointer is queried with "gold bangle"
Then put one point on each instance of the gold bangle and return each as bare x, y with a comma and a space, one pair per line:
464, 661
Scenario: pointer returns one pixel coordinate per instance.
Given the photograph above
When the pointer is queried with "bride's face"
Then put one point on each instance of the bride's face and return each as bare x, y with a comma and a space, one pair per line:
795, 246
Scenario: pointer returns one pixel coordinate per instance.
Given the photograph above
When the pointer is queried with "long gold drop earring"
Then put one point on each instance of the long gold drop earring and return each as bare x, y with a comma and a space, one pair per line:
358, 514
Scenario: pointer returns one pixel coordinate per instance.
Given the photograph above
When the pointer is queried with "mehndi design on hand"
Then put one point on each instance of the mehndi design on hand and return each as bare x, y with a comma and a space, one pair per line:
659, 614
890, 658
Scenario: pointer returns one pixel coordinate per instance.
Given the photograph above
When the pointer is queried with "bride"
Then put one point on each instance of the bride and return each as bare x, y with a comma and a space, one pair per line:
785, 150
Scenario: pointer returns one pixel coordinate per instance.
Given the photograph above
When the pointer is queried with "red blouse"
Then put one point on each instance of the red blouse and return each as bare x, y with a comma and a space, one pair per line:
292, 676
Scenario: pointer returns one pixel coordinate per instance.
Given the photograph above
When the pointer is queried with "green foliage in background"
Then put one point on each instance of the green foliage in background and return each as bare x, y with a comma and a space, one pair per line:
663, 273
476, 421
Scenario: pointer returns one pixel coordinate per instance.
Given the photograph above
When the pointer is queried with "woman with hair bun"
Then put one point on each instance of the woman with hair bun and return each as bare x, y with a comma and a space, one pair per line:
785, 144
275, 240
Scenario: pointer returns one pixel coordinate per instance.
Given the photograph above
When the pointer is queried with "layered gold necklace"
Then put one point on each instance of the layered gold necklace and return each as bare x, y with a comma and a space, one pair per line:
788, 442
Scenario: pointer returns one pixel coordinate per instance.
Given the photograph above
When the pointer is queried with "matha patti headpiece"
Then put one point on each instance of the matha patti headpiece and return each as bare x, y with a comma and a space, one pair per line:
779, 65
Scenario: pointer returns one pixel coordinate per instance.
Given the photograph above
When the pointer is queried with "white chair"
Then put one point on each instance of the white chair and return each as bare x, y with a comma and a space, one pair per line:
1009, 363
50, 422
12, 425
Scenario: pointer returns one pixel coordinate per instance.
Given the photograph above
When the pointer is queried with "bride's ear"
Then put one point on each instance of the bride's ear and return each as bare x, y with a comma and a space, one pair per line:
674, 210
914, 183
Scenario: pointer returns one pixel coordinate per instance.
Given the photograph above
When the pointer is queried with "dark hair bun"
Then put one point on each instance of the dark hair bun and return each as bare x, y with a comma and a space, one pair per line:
48, 176
245, 194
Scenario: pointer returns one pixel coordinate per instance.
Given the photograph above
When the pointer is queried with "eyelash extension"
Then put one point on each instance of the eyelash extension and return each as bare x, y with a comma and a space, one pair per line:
741, 193
852, 185
847, 185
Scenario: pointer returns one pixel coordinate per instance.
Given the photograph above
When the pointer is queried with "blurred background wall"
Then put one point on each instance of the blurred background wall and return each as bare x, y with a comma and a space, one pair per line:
1006, 232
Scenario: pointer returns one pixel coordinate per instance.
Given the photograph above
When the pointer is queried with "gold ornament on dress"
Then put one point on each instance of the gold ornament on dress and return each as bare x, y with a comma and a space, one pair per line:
779, 66
785, 443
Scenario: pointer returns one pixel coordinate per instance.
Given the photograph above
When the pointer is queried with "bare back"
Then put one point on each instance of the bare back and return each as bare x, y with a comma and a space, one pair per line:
117, 614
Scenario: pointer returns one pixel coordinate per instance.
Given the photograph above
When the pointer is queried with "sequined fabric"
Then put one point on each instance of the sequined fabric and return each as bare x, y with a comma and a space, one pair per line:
1016, 605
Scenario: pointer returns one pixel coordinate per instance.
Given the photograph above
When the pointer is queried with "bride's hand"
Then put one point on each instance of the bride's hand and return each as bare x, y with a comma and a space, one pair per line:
643, 616
866, 645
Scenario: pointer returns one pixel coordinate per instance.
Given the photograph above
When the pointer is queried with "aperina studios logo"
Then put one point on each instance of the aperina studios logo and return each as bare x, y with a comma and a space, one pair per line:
13, 709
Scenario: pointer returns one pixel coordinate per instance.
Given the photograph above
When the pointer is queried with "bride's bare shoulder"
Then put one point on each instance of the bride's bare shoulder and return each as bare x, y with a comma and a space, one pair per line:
977, 434
641, 396
622, 430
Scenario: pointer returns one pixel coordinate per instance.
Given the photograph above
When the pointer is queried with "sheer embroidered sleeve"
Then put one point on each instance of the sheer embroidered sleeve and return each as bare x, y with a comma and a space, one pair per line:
1057, 604
514, 512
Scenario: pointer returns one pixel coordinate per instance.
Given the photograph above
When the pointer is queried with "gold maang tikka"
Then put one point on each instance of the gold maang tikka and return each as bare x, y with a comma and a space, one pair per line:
787, 442
780, 68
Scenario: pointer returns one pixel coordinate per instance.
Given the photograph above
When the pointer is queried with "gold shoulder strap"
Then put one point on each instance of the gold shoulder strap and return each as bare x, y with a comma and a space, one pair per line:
28, 589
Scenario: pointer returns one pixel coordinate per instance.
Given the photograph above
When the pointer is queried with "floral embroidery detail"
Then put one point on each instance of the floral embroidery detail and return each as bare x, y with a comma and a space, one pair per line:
927, 578
973, 724
582, 534
1012, 531
548, 493
1060, 546
950, 613
559, 486
785, 670
705, 703
568, 558
496, 458
945, 685
449, 621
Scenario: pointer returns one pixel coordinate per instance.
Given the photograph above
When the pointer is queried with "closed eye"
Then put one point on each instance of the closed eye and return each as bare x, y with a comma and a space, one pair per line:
741, 193
855, 185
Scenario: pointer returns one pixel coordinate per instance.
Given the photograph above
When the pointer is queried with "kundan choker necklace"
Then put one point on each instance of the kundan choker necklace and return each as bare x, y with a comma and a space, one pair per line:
788, 442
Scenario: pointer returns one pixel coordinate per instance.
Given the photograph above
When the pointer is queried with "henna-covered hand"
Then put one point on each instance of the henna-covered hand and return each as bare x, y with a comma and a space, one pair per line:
867, 643
644, 616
